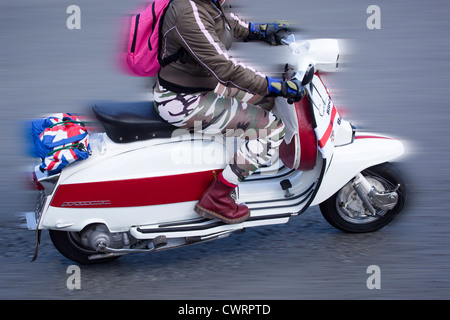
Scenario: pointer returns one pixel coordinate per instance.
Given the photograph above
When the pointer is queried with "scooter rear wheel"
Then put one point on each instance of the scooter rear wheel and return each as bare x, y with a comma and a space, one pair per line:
345, 210
69, 245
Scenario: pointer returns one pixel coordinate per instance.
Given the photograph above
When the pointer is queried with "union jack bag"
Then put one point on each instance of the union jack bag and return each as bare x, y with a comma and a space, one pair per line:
60, 140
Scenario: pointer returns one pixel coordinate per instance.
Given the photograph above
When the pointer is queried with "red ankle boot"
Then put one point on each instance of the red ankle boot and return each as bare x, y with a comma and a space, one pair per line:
216, 203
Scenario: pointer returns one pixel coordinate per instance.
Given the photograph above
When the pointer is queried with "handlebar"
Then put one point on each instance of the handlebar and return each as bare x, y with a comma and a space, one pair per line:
287, 39
304, 71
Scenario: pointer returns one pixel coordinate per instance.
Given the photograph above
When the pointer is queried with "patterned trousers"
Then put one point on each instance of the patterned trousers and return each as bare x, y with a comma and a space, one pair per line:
232, 113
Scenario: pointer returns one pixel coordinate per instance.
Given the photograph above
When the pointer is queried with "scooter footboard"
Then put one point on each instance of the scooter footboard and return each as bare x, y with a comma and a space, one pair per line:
348, 160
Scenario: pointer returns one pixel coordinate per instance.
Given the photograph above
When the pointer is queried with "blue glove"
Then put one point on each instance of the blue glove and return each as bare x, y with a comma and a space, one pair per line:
268, 32
291, 89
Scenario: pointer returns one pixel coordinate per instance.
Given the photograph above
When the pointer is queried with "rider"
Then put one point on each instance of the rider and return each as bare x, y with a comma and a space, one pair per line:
205, 85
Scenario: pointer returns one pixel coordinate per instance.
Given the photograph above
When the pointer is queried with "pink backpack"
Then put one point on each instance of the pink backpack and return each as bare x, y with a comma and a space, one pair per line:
142, 54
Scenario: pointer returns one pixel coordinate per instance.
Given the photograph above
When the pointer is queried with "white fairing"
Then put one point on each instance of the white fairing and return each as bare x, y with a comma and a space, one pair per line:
323, 54
150, 158
348, 160
114, 162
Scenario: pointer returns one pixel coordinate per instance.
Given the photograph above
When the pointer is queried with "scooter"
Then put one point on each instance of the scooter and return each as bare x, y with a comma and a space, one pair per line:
137, 190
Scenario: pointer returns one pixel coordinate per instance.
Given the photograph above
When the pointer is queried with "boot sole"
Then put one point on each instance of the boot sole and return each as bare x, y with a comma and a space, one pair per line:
208, 214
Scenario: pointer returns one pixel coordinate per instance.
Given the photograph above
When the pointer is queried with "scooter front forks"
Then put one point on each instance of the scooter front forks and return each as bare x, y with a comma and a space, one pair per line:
372, 198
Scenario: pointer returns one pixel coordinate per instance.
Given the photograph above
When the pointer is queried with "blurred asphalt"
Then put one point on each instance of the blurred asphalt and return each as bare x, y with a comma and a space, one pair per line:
394, 81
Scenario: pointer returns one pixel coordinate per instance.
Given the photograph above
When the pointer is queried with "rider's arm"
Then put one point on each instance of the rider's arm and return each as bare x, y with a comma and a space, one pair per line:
240, 27
196, 34
267, 32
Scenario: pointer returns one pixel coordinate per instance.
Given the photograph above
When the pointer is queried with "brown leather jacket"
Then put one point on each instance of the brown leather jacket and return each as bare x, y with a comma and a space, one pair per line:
205, 33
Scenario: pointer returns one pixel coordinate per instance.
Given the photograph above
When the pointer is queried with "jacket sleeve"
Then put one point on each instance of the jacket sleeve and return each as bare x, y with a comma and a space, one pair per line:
196, 32
240, 27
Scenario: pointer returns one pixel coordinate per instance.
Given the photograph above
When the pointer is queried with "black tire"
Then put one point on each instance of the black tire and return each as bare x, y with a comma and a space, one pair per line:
68, 244
385, 174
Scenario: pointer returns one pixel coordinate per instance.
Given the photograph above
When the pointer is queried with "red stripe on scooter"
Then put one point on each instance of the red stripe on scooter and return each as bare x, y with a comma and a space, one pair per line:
134, 192
308, 139
327, 134
372, 137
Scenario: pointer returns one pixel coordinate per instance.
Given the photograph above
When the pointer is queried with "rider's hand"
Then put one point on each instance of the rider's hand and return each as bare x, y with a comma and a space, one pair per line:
291, 89
268, 32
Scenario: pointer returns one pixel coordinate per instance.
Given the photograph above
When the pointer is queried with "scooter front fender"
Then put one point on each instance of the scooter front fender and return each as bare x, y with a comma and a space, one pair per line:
348, 160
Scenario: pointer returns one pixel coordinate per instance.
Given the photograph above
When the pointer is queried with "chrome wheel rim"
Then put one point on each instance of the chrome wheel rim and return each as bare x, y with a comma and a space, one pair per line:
350, 206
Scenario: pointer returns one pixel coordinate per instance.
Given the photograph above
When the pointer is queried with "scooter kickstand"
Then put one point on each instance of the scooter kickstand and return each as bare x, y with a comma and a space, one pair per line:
36, 248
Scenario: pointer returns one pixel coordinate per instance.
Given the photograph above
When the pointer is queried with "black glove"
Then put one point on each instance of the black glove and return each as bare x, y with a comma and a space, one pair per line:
291, 89
268, 32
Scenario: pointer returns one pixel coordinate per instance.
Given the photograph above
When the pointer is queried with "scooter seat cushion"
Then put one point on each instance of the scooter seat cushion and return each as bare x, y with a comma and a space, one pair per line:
131, 121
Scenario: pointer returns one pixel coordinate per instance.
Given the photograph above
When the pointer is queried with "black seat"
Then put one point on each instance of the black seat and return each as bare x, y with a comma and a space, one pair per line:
131, 121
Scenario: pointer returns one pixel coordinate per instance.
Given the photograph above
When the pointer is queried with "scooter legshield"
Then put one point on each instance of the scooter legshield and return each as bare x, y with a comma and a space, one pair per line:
301, 151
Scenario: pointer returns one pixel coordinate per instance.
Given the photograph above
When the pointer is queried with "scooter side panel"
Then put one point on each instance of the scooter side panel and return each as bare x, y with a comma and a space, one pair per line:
116, 219
128, 186
127, 193
125, 162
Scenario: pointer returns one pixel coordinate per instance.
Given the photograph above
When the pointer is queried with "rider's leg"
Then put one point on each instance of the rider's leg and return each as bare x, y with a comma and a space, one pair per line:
264, 102
218, 114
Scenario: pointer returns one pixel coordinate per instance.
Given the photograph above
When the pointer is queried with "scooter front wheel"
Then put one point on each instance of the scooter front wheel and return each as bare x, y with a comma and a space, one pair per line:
346, 211
69, 245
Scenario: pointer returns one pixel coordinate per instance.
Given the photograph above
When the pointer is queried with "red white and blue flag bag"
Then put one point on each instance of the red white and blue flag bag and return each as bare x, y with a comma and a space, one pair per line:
60, 140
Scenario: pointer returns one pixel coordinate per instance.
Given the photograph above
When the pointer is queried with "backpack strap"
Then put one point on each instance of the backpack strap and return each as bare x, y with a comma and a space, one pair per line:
79, 146
181, 54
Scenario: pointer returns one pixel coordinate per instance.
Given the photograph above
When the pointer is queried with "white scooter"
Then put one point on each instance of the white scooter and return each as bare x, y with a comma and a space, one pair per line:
138, 189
